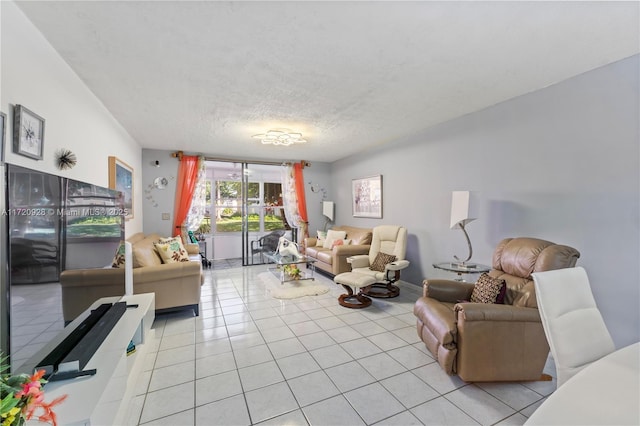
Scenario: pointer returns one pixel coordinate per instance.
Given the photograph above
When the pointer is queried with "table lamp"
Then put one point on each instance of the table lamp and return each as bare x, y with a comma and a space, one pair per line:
327, 211
461, 215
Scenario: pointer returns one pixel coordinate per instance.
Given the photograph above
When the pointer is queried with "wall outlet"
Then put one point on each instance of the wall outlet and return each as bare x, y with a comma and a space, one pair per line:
166, 216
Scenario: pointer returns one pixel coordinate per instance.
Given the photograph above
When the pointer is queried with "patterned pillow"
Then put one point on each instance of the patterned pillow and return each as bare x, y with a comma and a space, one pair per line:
118, 259
381, 261
171, 250
486, 289
168, 240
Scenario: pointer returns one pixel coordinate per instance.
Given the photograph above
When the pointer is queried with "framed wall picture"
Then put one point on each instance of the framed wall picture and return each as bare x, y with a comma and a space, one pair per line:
121, 179
3, 131
367, 197
28, 133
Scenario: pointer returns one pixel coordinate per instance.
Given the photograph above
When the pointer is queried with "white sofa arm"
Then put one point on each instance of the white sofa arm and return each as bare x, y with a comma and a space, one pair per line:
359, 261
396, 265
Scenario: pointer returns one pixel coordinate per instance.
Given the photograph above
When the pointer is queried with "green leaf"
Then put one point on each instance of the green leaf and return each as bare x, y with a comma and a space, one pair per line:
4, 365
8, 403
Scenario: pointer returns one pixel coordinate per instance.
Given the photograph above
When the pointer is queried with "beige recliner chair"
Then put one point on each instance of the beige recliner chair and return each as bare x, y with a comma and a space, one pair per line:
492, 342
375, 273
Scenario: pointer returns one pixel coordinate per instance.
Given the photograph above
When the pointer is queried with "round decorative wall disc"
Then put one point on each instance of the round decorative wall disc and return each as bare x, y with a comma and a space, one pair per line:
160, 182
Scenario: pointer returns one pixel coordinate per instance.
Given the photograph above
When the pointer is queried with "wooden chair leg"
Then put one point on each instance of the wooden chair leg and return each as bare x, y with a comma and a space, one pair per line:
384, 290
381, 290
347, 300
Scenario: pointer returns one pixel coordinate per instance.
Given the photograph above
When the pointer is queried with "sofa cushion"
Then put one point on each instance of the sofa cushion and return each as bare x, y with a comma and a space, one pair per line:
171, 250
527, 296
359, 236
139, 236
333, 235
325, 256
144, 252
313, 251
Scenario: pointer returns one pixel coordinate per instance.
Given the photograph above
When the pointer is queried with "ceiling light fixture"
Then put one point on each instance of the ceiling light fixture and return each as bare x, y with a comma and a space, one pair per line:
280, 137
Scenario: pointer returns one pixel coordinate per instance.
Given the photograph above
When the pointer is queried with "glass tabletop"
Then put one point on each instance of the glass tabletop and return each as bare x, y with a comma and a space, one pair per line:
278, 259
469, 268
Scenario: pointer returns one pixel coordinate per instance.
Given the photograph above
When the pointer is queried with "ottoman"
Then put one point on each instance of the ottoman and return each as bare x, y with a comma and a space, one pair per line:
352, 282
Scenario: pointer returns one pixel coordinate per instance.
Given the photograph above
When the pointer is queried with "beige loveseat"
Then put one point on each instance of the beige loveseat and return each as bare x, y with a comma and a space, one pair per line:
334, 260
176, 285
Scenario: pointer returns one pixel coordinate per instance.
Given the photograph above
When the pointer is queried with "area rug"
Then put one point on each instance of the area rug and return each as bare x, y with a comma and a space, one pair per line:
291, 289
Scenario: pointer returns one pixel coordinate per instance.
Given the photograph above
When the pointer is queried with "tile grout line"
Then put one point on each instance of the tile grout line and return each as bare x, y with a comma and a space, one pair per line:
238, 289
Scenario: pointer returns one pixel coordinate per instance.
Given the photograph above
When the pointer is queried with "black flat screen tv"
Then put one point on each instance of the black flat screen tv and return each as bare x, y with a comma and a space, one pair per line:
53, 224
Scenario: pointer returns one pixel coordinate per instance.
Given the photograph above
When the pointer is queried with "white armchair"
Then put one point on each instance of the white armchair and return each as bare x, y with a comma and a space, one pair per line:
574, 327
375, 274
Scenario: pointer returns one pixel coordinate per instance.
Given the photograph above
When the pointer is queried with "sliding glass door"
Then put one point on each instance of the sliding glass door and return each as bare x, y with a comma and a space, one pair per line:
245, 205
264, 221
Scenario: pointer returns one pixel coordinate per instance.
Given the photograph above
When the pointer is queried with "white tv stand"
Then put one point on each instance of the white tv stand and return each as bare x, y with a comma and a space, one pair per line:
104, 397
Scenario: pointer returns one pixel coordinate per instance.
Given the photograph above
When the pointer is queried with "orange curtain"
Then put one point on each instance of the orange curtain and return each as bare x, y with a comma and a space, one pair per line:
186, 185
302, 203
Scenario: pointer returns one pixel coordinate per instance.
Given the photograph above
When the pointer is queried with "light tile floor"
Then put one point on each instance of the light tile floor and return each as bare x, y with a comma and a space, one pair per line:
29, 332
251, 359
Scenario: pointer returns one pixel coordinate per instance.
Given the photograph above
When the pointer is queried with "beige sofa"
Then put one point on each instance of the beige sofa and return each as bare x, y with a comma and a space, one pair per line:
334, 261
176, 285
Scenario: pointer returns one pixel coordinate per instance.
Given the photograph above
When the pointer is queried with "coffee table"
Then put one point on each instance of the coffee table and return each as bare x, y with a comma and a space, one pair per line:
281, 261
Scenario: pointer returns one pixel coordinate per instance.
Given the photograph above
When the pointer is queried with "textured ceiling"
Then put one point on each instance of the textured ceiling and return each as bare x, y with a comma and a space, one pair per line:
205, 76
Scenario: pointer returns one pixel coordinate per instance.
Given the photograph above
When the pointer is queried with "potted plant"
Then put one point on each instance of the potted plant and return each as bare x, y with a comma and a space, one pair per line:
21, 395
293, 271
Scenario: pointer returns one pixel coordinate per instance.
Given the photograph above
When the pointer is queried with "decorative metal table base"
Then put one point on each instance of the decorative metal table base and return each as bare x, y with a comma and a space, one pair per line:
282, 261
346, 299
381, 290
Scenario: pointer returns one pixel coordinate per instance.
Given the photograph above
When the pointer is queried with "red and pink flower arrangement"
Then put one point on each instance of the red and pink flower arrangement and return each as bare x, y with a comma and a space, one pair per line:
22, 398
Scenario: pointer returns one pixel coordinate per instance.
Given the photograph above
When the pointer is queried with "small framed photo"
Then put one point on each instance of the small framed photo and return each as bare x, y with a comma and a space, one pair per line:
3, 131
28, 133
367, 197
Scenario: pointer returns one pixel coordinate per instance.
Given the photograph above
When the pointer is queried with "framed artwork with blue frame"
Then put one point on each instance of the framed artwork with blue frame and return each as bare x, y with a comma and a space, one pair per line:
121, 179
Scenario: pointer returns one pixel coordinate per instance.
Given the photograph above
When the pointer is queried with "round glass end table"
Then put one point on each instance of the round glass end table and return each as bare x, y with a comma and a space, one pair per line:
459, 268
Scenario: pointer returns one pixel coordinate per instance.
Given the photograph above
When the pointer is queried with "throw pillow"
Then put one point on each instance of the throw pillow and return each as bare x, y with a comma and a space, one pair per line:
337, 243
502, 294
332, 236
381, 261
118, 259
144, 252
171, 250
486, 289
322, 235
168, 240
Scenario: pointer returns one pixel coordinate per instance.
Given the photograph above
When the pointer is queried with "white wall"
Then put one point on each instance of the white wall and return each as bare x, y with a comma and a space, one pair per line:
560, 164
35, 76
318, 175
157, 202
